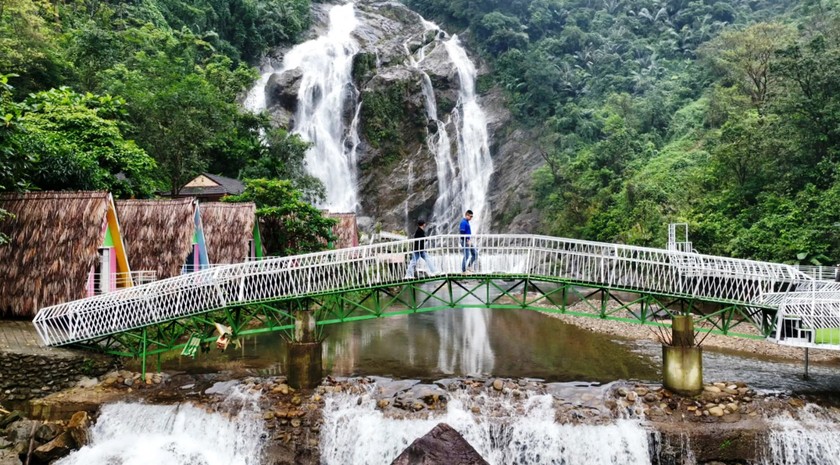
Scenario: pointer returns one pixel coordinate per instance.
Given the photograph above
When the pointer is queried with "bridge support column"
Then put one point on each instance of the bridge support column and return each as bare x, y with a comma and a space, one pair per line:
682, 360
305, 370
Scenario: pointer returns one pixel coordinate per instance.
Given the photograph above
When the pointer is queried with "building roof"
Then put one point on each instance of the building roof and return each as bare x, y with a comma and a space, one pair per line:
346, 230
157, 233
54, 237
211, 185
227, 229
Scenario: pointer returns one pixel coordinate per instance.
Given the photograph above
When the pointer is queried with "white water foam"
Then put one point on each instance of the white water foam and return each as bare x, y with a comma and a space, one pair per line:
464, 182
181, 434
525, 432
326, 65
813, 438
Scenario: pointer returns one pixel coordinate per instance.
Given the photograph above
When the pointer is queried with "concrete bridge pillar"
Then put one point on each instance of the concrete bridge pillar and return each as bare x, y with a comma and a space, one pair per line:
305, 370
682, 360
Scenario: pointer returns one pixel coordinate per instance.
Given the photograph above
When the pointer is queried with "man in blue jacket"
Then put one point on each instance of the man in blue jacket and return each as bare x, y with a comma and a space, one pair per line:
470, 253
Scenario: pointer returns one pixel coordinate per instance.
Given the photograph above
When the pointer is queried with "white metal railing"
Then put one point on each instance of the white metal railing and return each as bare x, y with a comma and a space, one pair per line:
820, 272
612, 265
111, 282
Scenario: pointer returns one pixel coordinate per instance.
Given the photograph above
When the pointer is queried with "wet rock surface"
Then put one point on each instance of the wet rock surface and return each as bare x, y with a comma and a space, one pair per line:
441, 445
396, 164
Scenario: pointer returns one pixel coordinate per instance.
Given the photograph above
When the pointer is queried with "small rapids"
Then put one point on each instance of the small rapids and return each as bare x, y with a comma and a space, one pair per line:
518, 431
180, 434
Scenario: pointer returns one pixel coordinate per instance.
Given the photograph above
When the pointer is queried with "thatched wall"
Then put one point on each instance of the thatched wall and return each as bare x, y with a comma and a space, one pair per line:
54, 241
227, 229
157, 234
345, 230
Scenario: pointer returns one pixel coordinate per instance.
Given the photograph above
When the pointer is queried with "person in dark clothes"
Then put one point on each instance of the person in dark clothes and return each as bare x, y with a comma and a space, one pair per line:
419, 252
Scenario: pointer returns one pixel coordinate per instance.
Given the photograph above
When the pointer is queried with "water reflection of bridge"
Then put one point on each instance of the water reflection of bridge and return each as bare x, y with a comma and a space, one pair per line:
641, 285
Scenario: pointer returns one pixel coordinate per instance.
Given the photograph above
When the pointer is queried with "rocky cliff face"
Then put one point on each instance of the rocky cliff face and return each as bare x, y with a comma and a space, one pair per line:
400, 54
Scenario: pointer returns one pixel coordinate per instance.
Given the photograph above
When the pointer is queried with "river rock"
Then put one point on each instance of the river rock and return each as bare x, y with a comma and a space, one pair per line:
8, 457
57, 448
78, 427
282, 89
441, 445
46, 432
10, 418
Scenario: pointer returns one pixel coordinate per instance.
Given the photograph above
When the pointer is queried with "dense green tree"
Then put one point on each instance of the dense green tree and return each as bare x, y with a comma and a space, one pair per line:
282, 156
77, 143
28, 45
745, 57
15, 164
289, 224
180, 103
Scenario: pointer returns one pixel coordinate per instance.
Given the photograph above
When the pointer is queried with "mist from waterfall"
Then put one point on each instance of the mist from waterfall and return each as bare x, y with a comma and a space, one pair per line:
326, 64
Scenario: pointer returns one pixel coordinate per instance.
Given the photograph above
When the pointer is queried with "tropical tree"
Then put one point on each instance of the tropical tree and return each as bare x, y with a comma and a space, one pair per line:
745, 57
290, 225
76, 143
282, 156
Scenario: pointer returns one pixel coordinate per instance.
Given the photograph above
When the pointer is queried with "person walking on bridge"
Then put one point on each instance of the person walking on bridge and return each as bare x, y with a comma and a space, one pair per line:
419, 252
470, 253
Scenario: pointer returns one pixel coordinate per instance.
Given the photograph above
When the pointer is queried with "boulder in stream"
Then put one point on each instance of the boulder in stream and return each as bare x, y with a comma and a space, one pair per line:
440, 446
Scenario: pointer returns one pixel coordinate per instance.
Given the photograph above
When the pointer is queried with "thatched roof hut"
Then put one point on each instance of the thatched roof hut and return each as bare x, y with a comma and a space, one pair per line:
158, 233
229, 229
346, 230
54, 243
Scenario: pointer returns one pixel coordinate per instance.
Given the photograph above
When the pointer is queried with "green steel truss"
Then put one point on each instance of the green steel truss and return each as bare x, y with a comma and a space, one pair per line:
503, 292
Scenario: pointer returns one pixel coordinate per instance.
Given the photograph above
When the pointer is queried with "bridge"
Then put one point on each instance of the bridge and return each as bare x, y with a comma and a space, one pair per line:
527, 272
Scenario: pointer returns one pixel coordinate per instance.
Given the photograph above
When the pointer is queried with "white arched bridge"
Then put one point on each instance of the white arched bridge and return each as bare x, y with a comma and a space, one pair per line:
530, 272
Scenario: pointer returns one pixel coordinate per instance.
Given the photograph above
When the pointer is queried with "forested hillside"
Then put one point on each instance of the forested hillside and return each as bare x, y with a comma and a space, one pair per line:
720, 114
137, 97
132, 96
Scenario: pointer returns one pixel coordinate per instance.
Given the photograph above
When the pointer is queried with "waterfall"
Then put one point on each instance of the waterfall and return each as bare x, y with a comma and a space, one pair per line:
181, 434
522, 432
463, 179
326, 64
464, 182
812, 438
326, 85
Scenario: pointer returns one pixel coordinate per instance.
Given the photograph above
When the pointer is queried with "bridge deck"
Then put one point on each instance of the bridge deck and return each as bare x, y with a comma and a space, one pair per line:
612, 266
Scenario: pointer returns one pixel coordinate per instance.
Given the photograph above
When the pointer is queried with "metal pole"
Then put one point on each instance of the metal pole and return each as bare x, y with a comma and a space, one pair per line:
806, 376
144, 355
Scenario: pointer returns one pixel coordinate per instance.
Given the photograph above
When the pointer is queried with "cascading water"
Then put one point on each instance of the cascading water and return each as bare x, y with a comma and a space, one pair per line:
464, 183
326, 65
474, 354
181, 434
518, 431
813, 438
